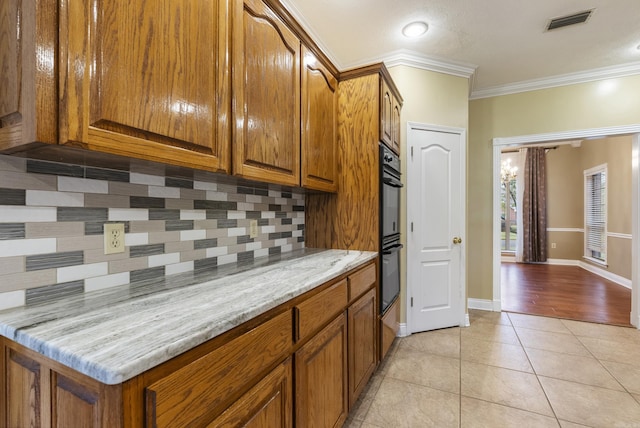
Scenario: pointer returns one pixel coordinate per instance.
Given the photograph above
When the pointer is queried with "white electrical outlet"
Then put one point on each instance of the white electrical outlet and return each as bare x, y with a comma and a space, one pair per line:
253, 228
113, 238
553, 245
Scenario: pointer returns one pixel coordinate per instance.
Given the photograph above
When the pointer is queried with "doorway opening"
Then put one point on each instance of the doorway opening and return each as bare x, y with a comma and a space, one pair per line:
499, 144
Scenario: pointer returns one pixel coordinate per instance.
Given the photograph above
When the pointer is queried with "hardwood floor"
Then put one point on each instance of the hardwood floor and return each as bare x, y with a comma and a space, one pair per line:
563, 292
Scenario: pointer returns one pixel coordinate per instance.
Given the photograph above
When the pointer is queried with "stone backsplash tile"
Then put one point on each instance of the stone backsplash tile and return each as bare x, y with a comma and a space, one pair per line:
52, 217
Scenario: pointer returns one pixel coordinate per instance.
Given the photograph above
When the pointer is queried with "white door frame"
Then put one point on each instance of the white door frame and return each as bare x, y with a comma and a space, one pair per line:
462, 132
501, 143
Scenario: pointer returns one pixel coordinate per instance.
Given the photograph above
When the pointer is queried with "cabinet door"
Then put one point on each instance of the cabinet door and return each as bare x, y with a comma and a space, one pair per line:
396, 124
147, 79
321, 378
362, 343
28, 95
268, 404
25, 379
386, 114
319, 125
40, 395
266, 100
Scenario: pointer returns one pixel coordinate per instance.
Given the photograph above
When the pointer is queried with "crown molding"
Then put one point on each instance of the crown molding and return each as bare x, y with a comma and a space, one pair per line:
623, 70
416, 60
578, 134
308, 28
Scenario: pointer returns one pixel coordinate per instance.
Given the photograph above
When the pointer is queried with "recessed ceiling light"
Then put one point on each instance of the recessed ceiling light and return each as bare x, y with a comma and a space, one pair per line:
415, 29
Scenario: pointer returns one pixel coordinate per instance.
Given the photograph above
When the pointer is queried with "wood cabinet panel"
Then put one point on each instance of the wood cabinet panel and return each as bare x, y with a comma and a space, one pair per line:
319, 125
361, 281
389, 324
396, 126
44, 393
147, 79
363, 356
268, 404
28, 80
316, 311
266, 101
321, 378
356, 209
386, 113
24, 381
75, 404
198, 392
10, 44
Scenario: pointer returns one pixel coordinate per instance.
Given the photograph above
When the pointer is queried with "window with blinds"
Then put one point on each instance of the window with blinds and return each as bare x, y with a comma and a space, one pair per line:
595, 213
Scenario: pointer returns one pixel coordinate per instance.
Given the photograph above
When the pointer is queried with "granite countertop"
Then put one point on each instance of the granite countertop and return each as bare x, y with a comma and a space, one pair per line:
114, 335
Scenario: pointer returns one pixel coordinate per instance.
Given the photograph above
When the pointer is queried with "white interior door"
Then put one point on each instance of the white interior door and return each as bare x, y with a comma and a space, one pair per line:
436, 222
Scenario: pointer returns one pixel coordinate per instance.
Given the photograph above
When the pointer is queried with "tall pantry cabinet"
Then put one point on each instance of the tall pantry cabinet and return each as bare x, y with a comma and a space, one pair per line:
350, 219
368, 113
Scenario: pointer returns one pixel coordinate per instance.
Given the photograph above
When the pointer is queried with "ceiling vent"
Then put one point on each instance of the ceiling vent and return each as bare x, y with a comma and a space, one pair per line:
565, 21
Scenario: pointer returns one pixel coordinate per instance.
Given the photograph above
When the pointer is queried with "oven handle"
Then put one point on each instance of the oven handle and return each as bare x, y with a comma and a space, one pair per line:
392, 182
392, 249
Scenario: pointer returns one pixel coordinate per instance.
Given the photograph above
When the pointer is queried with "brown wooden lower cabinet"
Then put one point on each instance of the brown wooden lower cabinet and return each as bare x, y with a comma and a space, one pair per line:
321, 378
268, 404
254, 375
363, 356
41, 393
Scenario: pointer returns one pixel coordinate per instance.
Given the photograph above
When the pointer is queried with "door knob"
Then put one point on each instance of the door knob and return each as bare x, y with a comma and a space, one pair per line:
457, 240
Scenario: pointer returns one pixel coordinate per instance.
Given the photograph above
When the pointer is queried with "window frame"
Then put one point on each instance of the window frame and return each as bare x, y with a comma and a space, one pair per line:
588, 254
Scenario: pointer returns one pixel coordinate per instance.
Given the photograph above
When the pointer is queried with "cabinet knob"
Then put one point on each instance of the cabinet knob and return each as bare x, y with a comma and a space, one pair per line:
457, 240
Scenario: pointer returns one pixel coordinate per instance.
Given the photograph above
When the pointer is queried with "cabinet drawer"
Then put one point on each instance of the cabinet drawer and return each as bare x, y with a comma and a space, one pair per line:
198, 392
361, 281
316, 311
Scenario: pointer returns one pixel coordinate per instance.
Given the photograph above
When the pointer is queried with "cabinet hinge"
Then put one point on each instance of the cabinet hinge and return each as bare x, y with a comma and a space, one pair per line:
412, 302
411, 151
412, 226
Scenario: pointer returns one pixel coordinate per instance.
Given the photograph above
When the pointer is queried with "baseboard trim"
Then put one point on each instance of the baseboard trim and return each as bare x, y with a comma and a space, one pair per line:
403, 331
484, 305
620, 280
563, 262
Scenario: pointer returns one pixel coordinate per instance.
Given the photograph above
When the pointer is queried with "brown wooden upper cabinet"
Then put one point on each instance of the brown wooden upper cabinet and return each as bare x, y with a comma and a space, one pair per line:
155, 81
390, 106
395, 119
28, 91
386, 113
266, 100
147, 79
319, 124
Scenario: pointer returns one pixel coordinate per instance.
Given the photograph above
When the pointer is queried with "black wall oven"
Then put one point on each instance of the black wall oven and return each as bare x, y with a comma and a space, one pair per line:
390, 186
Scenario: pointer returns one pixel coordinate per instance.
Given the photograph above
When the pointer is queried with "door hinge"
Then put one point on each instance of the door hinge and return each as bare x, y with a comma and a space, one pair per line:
412, 226
412, 302
411, 151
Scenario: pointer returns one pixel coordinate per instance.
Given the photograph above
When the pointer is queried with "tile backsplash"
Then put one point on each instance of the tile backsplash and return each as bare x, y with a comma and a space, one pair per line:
52, 217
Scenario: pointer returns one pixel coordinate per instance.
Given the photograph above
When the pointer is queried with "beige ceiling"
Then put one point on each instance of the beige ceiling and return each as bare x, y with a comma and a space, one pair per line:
502, 44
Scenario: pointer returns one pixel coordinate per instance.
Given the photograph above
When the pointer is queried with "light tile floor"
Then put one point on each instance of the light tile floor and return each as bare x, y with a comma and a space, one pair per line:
507, 370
